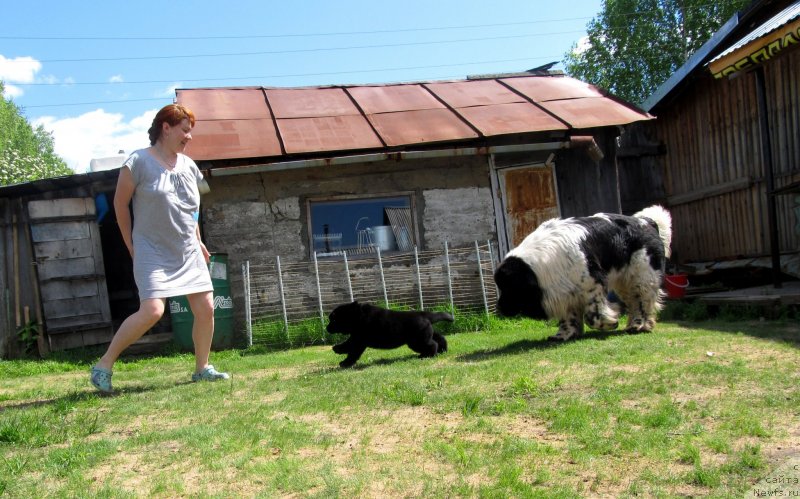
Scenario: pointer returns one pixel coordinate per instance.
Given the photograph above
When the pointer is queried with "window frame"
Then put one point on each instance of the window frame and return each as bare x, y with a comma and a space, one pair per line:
411, 195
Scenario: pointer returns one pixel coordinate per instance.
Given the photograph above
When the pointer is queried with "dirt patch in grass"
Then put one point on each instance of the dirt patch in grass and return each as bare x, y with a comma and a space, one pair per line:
784, 446
383, 443
146, 423
129, 471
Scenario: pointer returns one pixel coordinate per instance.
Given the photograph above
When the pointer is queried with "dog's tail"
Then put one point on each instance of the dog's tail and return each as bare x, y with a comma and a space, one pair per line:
663, 220
439, 316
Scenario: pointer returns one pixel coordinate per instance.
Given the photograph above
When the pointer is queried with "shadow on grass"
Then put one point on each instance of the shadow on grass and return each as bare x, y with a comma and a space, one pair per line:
90, 394
768, 322
523, 346
361, 365
768, 330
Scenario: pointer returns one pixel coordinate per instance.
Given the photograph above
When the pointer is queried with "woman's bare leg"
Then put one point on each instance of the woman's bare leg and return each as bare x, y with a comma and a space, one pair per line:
131, 329
202, 305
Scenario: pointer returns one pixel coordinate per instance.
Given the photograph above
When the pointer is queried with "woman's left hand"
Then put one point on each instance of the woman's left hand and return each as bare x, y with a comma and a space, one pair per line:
206, 254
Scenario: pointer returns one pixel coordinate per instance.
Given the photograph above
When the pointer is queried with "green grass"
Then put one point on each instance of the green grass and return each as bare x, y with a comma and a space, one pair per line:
703, 408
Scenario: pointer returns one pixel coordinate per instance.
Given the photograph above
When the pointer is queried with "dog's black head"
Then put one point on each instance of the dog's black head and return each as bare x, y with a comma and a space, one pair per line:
344, 318
519, 290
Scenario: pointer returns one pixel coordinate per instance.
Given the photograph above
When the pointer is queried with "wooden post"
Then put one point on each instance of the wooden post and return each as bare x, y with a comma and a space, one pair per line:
248, 317
449, 277
347, 273
383, 279
42, 342
480, 275
319, 294
15, 242
283, 299
766, 150
419, 279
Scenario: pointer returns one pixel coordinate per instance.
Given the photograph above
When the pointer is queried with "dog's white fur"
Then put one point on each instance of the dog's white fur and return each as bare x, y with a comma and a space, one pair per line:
573, 296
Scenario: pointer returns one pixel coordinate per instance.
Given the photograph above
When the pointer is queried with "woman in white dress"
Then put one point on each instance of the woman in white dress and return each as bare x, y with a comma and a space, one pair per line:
163, 238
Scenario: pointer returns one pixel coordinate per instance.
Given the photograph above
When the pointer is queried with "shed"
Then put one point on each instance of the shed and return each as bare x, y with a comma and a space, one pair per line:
63, 268
326, 171
490, 157
724, 153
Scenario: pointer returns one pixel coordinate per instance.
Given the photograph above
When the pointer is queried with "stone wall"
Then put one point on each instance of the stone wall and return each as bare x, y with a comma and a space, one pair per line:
256, 217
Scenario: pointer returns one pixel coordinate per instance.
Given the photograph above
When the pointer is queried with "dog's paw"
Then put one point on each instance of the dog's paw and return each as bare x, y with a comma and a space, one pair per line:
561, 336
604, 325
347, 363
639, 325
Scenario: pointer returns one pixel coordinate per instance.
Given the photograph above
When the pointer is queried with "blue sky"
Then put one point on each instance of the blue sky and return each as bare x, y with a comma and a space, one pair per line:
94, 73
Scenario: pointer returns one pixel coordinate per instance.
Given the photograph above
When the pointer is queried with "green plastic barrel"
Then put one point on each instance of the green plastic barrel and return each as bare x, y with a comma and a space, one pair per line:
181, 313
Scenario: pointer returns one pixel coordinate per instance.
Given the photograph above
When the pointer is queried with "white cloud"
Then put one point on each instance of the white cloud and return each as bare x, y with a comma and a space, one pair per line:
96, 134
49, 79
116, 79
170, 90
10, 91
17, 70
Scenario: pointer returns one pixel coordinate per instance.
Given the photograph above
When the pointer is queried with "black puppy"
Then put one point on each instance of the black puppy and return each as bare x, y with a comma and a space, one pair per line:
375, 327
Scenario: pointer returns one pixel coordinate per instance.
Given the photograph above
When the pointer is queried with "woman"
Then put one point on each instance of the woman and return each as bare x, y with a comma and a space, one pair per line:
169, 259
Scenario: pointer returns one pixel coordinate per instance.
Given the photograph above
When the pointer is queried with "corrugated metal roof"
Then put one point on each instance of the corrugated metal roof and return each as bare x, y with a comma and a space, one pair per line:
58, 183
394, 98
326, 133
258, 122
784, 17
419, 127
736, 26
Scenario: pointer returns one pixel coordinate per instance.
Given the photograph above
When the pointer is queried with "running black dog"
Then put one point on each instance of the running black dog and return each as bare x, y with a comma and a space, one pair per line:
375, 327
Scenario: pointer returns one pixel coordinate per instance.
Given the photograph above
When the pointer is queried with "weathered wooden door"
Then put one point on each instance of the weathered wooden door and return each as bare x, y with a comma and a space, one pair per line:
69, 262
529, 198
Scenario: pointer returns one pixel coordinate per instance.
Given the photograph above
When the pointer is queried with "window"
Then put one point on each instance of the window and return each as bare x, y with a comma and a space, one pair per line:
361, 226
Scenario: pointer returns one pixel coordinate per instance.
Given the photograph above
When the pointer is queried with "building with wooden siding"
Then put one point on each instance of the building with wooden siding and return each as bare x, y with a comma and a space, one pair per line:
724, 151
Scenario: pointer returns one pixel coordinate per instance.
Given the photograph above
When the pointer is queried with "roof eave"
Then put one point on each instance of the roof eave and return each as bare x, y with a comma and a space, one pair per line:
697, 59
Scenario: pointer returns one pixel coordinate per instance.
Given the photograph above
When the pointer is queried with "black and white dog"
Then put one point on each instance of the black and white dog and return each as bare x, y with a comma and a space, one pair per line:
375, 327
565, 269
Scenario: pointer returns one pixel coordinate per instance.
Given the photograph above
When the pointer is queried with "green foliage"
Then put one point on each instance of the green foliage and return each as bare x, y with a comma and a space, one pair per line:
695, 310
635, 45
28, 334
26, 153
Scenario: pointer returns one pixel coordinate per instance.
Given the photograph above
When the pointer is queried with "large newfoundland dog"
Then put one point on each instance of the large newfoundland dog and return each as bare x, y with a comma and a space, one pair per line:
375, 327
565, 269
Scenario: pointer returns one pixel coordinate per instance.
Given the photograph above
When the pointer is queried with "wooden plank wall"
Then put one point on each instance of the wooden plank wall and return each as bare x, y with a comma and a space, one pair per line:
713, 169
18, 284
69, 256
586, 186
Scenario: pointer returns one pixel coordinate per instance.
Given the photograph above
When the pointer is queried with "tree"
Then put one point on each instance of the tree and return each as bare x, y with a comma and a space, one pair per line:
635, 45
26, 153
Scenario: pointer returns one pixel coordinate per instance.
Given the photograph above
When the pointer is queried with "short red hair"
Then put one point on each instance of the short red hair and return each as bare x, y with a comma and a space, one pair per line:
171, 114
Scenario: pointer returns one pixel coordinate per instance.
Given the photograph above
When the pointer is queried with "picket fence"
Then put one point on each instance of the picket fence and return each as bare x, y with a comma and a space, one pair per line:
289, 302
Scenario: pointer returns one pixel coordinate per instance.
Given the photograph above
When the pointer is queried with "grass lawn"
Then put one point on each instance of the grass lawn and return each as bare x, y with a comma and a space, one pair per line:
704, 408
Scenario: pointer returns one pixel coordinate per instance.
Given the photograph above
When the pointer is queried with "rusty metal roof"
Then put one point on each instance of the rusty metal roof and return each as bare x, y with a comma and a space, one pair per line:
258, 122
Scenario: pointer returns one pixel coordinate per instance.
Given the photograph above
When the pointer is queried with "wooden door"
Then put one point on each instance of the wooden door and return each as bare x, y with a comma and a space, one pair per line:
529, 198
69, 263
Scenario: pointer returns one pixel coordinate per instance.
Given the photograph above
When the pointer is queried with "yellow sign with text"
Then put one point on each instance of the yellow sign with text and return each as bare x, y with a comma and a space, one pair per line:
757, 51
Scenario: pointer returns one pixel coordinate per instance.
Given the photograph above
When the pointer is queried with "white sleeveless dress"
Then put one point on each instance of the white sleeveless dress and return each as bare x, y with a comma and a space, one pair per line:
167, 260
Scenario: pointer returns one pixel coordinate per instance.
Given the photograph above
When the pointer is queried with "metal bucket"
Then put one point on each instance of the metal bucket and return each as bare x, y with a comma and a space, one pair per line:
383, 237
